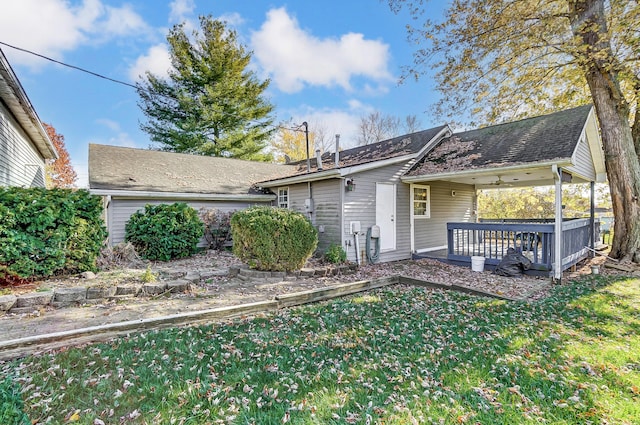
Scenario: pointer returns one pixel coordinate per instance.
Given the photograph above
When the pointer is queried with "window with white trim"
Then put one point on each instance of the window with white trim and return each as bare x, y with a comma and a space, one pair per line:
421, 198
283, 197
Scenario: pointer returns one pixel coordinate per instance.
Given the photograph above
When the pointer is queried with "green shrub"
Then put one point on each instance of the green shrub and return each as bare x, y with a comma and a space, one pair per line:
164, 232
46, 232
273, 238
217, 227
11, 405
335, 254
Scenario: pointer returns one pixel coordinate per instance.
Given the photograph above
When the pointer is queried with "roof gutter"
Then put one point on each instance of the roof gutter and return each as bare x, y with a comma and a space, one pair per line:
485, 171
138, 194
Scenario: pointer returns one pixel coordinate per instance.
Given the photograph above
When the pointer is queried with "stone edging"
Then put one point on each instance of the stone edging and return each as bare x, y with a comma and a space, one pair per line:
83, 295
23, 346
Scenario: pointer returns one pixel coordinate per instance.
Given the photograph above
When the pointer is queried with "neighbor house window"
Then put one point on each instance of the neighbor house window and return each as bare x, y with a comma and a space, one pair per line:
283, 197
421, 196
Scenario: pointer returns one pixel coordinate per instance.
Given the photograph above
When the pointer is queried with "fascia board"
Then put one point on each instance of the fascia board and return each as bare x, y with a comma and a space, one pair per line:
135, 194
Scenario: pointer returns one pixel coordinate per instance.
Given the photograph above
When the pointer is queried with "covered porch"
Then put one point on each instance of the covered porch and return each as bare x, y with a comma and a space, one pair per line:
550, 150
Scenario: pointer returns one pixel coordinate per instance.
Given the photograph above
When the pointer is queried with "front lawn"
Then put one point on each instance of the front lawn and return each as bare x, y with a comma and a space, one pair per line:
398, 355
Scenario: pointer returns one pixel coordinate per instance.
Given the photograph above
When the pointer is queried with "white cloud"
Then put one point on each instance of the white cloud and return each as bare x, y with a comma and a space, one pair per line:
52, 27
232, 19
120, 138
295, 58
156, 61
181, 10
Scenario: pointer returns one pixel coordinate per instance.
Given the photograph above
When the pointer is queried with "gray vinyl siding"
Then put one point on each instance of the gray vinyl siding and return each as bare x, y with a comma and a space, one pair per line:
583, 162
360, 205
20, 162
120, 210
432, 232
326, 213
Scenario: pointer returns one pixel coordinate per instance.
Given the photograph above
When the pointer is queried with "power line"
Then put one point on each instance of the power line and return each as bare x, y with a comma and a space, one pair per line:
124, 83
95, 74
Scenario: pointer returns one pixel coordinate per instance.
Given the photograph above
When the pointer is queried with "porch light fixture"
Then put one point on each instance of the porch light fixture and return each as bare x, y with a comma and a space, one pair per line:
350, 185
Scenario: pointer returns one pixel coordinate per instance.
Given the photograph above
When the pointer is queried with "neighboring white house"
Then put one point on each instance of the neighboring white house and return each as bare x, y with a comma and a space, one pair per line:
24, 144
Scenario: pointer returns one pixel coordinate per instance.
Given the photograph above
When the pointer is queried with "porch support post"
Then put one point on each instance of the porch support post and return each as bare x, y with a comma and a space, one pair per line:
557, 249
592, 221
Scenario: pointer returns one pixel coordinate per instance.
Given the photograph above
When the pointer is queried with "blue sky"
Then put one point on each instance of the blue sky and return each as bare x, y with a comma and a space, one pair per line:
330, 62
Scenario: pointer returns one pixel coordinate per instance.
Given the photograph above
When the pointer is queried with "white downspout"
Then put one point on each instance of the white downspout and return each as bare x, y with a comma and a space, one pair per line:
557, 249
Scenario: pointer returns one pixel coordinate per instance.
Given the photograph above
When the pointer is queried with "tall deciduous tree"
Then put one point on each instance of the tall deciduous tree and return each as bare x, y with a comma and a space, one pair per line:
376, 127
59, 172
210, 104
292, 142
504, 59
527, 203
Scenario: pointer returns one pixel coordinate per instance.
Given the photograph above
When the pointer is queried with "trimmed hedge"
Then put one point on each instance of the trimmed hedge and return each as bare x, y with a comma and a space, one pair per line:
47, 232
164, 232
273, 238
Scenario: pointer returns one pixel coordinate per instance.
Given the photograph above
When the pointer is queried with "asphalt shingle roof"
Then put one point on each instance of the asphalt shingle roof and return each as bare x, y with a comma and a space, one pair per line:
120, 168
408, 144
538, 139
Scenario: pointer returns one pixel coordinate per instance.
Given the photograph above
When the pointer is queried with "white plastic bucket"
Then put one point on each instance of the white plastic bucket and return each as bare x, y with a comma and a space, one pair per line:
477, 264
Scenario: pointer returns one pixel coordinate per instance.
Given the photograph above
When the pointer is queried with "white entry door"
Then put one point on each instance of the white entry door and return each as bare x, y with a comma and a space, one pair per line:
386, 215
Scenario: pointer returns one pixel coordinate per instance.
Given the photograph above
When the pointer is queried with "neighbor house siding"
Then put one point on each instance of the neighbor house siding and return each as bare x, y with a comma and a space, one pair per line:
20, 162
583, 162
432, 232
360, 205
120, 210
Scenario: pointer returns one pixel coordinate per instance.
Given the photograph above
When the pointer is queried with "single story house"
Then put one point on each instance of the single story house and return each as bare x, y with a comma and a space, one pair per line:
24, 144
128, 179
416, 193
396, 199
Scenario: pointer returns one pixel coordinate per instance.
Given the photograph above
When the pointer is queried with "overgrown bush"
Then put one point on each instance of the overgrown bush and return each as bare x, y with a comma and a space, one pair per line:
335, 254
46, 232
164, 232
217, 227
273, 238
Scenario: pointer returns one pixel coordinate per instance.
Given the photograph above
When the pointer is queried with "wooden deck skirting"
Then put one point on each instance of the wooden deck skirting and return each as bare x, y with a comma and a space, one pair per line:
23, 346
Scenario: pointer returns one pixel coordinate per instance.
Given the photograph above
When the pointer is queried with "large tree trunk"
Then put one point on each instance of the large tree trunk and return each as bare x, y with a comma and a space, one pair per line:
623, 167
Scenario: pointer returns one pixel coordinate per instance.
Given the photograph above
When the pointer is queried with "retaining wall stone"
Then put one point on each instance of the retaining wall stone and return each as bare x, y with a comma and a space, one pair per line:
154, 288
177, 286
70, 295
7, 301
127, 290
97, 292
34, 299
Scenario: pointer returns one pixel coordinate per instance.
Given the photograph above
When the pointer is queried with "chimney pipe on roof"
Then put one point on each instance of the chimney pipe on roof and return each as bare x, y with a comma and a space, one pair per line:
337, 150
319, 159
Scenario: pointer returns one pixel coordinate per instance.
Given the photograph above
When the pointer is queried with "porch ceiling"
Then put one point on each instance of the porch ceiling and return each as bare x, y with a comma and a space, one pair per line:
499, 177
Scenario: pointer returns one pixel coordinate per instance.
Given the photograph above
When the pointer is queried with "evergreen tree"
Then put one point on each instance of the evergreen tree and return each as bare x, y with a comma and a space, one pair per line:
210, 104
